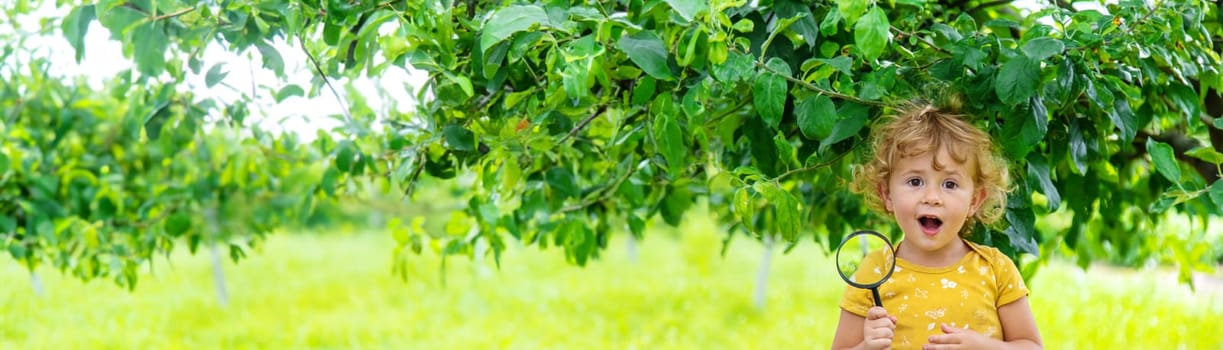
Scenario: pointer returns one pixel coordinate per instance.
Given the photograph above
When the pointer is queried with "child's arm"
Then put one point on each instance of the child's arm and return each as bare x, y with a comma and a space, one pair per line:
1018, 332
874, 331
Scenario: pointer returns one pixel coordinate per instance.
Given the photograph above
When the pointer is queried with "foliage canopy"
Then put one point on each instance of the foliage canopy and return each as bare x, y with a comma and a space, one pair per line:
577, 118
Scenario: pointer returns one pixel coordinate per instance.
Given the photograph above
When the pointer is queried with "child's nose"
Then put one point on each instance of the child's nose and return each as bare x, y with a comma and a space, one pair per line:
931, 197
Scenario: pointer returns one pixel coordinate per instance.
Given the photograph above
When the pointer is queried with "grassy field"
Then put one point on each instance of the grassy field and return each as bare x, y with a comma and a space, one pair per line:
336, 291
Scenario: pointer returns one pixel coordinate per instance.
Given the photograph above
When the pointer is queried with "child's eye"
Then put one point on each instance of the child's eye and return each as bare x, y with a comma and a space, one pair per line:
951, 185
915, 182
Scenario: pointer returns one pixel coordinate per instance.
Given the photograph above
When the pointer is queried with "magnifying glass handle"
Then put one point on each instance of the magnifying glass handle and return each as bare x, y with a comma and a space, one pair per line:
878, 302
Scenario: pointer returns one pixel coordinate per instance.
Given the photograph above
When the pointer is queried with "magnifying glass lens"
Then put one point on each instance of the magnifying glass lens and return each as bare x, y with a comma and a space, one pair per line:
865, 259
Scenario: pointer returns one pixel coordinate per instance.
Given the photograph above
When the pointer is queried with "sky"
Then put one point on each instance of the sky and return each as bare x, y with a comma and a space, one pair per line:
103, 59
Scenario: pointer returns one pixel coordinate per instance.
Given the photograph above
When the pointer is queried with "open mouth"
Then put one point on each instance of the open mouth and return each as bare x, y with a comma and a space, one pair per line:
930, 223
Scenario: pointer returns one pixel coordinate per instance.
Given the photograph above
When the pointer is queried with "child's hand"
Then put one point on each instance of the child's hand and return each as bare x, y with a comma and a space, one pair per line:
957, 338
878, 329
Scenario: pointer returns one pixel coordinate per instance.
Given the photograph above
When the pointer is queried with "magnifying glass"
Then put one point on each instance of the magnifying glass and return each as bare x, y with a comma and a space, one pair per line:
866, 259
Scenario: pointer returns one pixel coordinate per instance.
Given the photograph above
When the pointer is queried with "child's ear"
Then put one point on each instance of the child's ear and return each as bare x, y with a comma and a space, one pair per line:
978, 199
882, 188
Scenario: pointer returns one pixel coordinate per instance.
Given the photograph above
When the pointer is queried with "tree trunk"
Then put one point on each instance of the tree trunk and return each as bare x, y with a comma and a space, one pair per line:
37, 284
762, 276
218, 274
482, 269
630, 248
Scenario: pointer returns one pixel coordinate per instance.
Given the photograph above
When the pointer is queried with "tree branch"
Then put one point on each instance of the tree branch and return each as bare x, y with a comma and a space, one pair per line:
817, 166
582, 124
319, 69
173, 14
603, 193
811, 87
1180, 143
923, 40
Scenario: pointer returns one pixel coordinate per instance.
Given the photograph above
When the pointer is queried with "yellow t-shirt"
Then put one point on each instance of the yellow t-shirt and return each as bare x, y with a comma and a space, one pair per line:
965, 294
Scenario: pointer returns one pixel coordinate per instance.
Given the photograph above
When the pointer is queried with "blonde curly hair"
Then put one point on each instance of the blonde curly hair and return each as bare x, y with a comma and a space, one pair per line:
917, 128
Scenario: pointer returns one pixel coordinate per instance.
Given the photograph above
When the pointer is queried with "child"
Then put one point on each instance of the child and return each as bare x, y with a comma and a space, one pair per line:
935, 173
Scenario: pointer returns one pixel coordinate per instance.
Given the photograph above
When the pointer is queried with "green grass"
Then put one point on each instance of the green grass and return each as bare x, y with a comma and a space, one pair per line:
336, 291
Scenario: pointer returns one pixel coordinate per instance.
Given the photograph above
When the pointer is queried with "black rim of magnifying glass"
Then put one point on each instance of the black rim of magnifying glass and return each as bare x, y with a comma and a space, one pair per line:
874, 287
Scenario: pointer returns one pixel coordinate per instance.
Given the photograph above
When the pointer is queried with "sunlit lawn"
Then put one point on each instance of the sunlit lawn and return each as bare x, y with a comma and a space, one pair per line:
337, 291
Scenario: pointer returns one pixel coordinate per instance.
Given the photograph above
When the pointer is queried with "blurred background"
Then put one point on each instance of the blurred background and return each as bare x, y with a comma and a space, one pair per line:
332, 287
374, 268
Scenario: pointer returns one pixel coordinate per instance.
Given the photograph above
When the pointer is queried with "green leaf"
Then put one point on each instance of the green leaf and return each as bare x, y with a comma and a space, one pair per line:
149, 48
1216, 193
271, 58
676, 202
344, 156
1021, 134
648, 52
744, 26
828, 26
636, 226
761, 145
76, 25
842, 64
737, 67
1124, 118
851, 10
846, 127
785, 208
215, 74
331, 33
1101, 97
1022, 231
178, 224
1206, 153
563, 181
742, 206
1040, 116
1165, 160
671, 144
459, 138
1185, 99
770, 91
805, 25
1038, 169
116, 17
464, 83
688, 9
1017, 80
816, 116
1078, 148
1043, 47
871, 33
289, 91
947, 31
509, 20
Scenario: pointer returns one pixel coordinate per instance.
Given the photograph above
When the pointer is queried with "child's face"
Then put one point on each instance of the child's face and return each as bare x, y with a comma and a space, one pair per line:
931, 205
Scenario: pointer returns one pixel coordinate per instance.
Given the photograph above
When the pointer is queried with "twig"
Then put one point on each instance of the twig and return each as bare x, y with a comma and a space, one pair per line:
319, 69
582, 124
146, 223
173, 14
830, 93
923, 40
603, 192
817, 166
